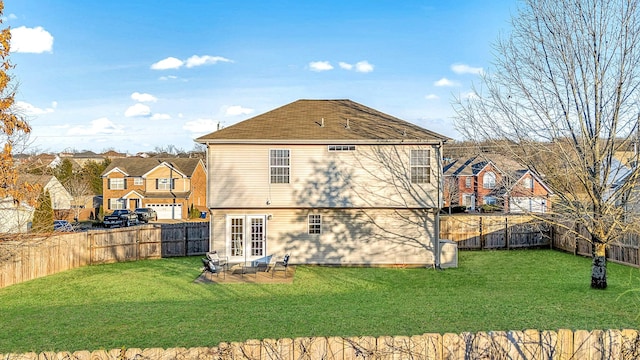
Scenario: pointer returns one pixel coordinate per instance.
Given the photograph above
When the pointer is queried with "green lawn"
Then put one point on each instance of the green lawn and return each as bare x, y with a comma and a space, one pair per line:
155, 303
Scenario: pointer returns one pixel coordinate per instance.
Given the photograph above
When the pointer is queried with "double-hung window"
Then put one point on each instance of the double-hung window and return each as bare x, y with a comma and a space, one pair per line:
116, 184
489, 180
138, 181
467, 182
315, 224
420, 166
165, 184
279, 166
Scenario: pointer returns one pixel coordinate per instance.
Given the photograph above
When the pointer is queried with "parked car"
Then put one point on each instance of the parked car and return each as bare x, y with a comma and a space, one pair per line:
146, 214
62, 226
121, 217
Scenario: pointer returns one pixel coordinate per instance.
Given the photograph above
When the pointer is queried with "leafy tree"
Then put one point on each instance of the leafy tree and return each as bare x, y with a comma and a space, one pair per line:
43, 214
563, 99
93, 172
64, 172
13, 126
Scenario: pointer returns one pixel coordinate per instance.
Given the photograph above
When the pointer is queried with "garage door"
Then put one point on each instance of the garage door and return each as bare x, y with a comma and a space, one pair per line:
167, 211
526, 204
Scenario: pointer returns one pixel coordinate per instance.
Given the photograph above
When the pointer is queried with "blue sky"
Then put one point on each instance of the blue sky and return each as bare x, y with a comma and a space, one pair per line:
137, 75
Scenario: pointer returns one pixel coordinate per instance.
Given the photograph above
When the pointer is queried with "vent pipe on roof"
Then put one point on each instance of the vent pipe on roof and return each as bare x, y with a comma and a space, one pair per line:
322, 123
347, 127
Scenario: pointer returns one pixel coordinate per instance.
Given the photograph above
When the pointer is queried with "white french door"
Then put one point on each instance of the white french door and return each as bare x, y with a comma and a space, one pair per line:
246, 237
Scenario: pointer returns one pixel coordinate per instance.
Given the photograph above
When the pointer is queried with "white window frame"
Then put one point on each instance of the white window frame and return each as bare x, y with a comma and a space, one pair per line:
341, 148
165, 184
489, 180
467, 182
420, 164
314, 224
138, 181
117, 204
528, 183
467, 200
279, 166
117, 183
490, 200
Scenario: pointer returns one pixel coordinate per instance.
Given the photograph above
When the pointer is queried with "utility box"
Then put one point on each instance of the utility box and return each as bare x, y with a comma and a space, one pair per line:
448, 254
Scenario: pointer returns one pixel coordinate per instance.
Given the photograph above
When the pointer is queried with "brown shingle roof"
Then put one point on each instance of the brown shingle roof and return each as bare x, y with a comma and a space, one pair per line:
322, 120
140, 166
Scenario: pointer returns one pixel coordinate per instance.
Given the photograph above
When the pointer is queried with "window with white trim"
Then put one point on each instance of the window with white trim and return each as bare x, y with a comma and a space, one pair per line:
489, 180
116, 184
467, 182
528, 183
342, 148
466, 200
315, 224
165, 184
138, 181
420, 166
117, 204
490, 200
279, 166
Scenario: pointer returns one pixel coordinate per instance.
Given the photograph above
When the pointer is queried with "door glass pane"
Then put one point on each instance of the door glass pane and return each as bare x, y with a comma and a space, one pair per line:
257, 237
237, 232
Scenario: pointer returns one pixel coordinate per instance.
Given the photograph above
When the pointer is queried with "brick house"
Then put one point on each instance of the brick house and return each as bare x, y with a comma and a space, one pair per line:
478, 183
171, 186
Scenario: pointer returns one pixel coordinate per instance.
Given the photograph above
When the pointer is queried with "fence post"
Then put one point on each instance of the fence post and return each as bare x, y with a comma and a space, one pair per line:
507, 233
482, 239
186, 239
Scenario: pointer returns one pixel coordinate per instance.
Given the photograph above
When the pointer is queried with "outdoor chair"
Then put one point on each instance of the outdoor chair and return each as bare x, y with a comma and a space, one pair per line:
219, 261
210, 267
281, 266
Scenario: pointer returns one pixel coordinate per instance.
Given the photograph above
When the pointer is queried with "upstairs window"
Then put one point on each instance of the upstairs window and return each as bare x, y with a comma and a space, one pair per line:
138, 181
528, 183
165, 184
342, 148
420, 166
117, 184
489, 180
279, 166
315, 224
467, 182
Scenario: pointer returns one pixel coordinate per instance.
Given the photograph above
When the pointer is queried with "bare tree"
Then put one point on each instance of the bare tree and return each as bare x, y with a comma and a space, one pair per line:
563, 99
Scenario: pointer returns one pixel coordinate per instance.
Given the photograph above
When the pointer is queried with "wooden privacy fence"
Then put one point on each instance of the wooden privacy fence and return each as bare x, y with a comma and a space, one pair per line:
36, 257
479, 232
513, 345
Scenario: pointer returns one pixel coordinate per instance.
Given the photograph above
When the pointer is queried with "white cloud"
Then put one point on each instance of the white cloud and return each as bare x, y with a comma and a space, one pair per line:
31, 40
170, 77
364, 67
196, 60
201, 126
237, 110
445, 82
432, 97
344, 65
168, 63
143, 97
98, 127
320, 66
30, 110
469, 95
138, 110
466, 69
160, 117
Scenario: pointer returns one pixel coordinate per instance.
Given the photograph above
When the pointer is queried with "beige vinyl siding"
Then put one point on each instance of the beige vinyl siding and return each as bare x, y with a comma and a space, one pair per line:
163, 172
371, 176
349, 237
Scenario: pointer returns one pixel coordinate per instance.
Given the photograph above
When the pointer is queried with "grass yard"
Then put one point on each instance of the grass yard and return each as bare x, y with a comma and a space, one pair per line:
155, 303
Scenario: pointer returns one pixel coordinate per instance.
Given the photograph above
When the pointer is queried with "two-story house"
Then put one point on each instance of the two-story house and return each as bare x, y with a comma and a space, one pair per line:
328, 182
169, 185
477, 182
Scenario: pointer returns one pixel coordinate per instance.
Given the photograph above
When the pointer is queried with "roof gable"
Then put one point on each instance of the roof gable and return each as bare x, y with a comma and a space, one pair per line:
323, 120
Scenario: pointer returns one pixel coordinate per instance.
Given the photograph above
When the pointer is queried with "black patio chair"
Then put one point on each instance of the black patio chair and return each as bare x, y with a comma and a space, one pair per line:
210, 267
281, 266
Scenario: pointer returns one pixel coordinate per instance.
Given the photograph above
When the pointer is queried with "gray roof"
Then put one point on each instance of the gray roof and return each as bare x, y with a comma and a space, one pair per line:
323, 121
140, 166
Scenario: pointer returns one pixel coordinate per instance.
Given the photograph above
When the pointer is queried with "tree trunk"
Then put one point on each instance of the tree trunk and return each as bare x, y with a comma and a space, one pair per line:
599, 267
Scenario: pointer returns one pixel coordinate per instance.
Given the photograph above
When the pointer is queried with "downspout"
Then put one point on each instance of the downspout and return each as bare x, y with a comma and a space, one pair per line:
208, 195
439, 208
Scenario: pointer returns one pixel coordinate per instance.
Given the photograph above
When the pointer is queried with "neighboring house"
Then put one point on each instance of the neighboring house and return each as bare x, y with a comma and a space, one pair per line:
328, 182
477, 183
170, 185
61, 200
15, 217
